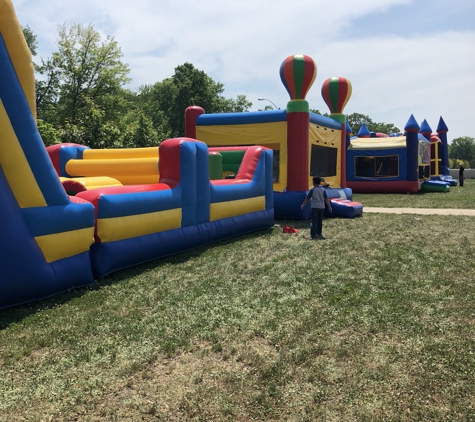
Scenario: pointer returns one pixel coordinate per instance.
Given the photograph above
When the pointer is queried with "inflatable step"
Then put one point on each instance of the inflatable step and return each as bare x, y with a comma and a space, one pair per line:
346, 208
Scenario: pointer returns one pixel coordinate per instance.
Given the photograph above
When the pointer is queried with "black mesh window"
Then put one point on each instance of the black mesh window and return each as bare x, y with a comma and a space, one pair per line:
323, 161
386, 166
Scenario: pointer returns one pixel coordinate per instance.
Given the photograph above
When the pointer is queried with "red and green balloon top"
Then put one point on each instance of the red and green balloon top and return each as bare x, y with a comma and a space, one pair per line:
297, 74
336, 92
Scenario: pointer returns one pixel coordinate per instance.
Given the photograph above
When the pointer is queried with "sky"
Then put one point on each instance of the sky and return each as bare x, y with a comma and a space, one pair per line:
402, 57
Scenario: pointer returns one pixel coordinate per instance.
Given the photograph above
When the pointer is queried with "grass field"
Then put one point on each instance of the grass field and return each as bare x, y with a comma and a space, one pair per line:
457, 197
376, 323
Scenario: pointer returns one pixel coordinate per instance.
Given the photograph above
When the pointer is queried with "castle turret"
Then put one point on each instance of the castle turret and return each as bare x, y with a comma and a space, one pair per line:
364, 132
425, 130
442, 130
412, 145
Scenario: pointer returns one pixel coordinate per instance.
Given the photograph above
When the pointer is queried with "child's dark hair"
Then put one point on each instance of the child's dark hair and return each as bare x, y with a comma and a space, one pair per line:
317, 180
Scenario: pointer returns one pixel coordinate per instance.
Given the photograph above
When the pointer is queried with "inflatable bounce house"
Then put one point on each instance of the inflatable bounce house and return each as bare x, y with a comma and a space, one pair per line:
304, 144
399, 163
75, 214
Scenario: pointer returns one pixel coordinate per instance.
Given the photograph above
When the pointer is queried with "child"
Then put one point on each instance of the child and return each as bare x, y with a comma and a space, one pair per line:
318, 197
461, 175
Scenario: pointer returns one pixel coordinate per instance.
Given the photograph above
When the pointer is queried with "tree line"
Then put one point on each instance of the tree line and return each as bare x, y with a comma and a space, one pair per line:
81, 97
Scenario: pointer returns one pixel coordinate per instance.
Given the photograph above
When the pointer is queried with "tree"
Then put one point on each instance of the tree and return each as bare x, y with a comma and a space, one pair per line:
239, 105
81, 86
266, 108
88, 69
82, 67
314, 110
463, 149
31, 39
141, 131
47, 131
49, 134
455, 163
165, 102
81, 97
47, 90
356, 120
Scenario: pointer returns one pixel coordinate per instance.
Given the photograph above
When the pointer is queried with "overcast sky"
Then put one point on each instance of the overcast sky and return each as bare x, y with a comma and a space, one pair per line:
402, 57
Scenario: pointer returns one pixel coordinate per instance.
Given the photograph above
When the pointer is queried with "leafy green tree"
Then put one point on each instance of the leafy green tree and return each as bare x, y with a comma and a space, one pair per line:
267, 107
31, 39
463, 149
48, 90
91, 128
356, 120
455, 163
165, 102
81, 86
83, 67
314, 110
154, 101
88, 68
229, 105
48, 132
140, 131
81, 97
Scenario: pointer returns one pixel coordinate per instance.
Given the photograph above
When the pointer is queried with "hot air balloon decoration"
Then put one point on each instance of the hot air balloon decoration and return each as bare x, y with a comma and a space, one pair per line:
336, 92
298, 73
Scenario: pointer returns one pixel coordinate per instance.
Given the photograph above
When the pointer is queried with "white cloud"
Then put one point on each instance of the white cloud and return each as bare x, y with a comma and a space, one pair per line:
399, 61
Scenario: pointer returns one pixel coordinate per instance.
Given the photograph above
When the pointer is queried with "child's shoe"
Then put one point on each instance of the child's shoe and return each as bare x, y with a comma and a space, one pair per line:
292, 229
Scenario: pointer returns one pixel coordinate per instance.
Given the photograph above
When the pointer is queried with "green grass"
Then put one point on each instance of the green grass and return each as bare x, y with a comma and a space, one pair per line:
458, 197
376, 323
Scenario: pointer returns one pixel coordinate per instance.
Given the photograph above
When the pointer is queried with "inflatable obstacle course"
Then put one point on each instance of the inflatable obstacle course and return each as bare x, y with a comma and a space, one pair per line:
52, 240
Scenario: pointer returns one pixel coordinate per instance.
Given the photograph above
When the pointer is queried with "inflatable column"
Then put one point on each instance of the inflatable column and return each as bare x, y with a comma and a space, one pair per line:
412, 148
297, 74
442, 130
426, 132
191, 114
349, 132
336, 92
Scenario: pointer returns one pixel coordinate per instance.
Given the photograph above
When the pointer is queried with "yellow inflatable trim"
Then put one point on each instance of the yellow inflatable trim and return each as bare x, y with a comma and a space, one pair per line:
119, 228
65, 244
16, 167
126, 170
18, 51
95, 154
228, 209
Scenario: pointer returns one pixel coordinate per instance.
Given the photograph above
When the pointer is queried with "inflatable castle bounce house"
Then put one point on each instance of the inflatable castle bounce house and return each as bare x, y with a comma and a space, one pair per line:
415, 161
304, 144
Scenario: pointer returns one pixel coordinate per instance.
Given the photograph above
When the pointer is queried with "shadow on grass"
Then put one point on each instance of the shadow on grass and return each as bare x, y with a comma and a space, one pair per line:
17, 313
